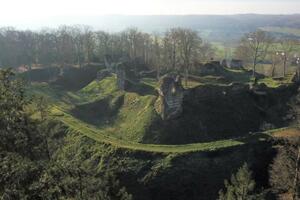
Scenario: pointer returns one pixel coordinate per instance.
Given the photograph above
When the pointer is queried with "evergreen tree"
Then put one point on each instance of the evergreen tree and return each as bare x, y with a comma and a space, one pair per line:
240, 186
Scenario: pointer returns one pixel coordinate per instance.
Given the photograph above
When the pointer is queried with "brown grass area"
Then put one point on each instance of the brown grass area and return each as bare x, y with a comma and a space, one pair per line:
291, 132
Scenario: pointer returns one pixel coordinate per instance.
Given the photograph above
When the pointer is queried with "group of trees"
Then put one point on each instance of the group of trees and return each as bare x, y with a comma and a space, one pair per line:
285, 169
283, 172
29, 161
61, 46
257, 47
177, 48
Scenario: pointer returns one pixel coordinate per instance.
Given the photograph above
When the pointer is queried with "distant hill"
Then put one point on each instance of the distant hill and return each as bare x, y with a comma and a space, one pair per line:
243, 22
212, 27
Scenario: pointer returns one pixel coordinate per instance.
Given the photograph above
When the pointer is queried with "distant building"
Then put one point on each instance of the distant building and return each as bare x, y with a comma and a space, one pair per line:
22, 68
211, 68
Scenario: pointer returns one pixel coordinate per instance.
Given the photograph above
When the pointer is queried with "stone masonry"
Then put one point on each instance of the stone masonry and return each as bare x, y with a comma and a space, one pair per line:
171, 95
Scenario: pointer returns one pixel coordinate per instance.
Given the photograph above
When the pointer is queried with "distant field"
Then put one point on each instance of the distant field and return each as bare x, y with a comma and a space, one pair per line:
223, 50
227, 49
282, 30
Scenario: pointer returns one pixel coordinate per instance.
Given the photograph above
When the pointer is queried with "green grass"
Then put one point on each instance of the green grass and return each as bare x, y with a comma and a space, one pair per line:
95, 134
133, 117
222, 50
54, 95
151, 82
98, 90
274, 83
98, 104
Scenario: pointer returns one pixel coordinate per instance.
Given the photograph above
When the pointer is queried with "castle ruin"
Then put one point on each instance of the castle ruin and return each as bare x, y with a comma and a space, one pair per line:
171, 95
121, 76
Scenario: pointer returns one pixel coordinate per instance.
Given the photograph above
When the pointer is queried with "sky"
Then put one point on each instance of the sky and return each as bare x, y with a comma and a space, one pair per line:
18, 12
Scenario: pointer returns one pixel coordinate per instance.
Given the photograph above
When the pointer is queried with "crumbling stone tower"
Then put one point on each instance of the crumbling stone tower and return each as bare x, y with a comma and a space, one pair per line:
121, 76
171, 95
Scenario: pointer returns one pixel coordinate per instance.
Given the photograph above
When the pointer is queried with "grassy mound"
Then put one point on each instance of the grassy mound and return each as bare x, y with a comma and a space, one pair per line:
105, 126
78, 126
178, 172
125, 115
130, 115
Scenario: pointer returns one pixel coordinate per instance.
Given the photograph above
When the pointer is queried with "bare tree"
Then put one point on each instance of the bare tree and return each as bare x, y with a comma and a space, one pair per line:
284, 172
89, 42
287, 47
78, 41
189, 42
255, 46
103, 46
171, 47
274, 58
206, 52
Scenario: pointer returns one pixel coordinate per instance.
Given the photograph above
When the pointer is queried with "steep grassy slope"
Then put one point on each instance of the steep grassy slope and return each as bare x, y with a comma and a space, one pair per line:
123, 117
94, 133
105, 126
155, 173
130, 116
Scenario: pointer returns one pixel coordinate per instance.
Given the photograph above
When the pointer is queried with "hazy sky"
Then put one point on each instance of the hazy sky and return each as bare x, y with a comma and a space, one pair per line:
18, 12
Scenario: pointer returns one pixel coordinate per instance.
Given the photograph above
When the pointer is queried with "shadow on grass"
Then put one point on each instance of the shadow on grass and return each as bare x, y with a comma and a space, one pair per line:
141, 89
98, 113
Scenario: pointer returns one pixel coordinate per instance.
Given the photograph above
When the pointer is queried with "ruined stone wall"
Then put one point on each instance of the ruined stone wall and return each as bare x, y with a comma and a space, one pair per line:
121, 76
213, 112
109, 64
171, 95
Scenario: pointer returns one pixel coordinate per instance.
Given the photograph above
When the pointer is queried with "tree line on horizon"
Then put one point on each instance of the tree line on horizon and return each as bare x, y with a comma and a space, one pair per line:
80, 44
179, 49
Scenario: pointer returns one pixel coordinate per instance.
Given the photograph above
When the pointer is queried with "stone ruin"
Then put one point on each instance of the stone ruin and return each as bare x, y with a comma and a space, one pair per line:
109, 64
224, 63
121, 76
120, 72
236, 64
211, 68
118, 67
103, 74
232, 64
171, 95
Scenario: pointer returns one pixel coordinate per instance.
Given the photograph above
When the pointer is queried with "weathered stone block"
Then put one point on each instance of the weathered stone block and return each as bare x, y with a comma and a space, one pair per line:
121, 76
171, 95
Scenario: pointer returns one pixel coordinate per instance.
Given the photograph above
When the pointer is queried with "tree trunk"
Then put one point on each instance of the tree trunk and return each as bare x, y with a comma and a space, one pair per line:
254, 67
273, 70
284, 66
